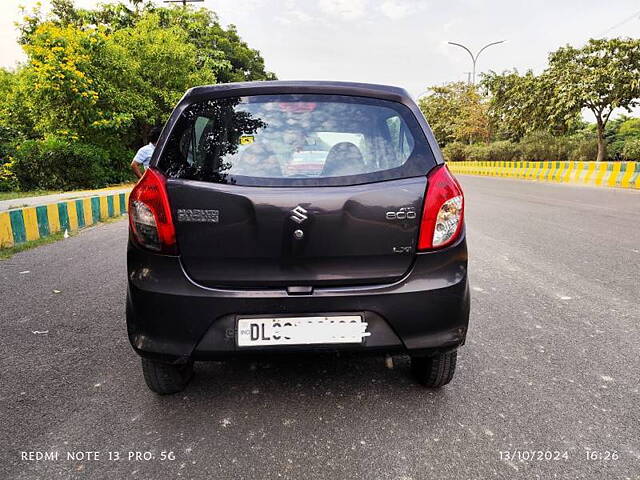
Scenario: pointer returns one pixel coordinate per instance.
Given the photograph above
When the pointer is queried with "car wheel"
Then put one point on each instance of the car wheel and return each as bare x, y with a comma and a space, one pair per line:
435, 371
164, 378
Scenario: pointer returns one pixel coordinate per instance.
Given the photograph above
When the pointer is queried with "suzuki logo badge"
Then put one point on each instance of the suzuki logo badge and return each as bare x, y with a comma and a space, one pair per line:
299, 214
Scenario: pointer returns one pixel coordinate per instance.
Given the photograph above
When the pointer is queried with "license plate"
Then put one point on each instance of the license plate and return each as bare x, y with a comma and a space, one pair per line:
301, 330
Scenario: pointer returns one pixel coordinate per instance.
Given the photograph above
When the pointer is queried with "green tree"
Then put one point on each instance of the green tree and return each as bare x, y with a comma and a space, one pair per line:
235, 61
57, 88
630, 127
457, 113
97, 80
601, 76
514, 106
120, 68
520, 104
218, 48
96, 87
162, 64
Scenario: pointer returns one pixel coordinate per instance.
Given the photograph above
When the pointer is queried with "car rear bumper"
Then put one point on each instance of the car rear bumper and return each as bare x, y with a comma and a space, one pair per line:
171, 318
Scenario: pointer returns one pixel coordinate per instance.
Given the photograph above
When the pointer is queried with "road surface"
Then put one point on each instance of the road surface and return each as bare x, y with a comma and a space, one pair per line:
552, 364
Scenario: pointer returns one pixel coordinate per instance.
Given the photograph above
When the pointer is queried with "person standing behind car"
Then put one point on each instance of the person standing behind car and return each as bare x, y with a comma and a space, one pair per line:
143, 156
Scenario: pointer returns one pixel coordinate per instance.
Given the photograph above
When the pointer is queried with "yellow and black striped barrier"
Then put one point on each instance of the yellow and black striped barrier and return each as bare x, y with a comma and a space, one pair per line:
31, 223
599, 174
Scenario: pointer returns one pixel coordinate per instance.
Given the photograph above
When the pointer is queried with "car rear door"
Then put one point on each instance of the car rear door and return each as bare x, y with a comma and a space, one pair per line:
297, 236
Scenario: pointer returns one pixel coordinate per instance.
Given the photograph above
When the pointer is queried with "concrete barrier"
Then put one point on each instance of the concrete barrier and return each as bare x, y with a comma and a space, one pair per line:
25, 224
599, 174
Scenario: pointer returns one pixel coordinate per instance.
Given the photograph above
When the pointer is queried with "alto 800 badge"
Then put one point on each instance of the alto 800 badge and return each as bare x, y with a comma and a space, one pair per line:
198, 215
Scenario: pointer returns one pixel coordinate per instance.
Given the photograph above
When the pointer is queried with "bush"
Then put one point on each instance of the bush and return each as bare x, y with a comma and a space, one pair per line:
455, 152
504, 151
631, 150
542, 146
618, 132
614, 150
479, 152
119, 168
59, 164
8, 137
583, 150
538, 147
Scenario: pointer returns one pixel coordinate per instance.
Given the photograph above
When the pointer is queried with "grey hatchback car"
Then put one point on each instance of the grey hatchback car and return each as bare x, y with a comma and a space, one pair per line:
296, 217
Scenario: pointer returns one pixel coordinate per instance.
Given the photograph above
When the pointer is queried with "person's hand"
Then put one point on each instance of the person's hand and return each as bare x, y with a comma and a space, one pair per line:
137, 170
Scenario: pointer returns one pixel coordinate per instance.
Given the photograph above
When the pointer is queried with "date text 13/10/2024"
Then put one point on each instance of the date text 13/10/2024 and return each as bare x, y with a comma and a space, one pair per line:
556, 455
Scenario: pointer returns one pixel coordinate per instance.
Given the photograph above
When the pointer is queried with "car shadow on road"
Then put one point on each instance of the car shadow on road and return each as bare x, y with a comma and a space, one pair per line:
242, 398
312, 379
289, 372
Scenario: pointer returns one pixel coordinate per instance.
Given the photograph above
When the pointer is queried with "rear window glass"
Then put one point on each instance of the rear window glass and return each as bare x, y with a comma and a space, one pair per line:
301, 139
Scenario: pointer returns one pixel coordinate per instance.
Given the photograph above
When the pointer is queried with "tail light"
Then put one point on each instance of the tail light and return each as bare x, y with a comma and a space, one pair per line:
443, 213
150, 214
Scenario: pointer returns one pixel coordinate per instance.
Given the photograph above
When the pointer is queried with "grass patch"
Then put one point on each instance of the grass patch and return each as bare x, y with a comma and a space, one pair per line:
38, 193
31, 193
114, 219
6, 253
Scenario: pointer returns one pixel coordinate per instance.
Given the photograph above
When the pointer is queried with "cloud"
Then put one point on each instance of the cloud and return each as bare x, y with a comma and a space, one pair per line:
394, 9
345, 9
294, 16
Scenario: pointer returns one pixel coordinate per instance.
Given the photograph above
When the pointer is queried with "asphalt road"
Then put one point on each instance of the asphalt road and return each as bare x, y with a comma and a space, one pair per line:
552, 364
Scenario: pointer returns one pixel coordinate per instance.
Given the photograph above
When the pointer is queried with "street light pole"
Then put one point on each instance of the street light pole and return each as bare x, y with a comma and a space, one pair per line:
474, 58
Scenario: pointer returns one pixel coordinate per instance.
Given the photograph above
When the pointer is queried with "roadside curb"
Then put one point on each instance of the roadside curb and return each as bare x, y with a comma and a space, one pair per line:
599, 174
26, 224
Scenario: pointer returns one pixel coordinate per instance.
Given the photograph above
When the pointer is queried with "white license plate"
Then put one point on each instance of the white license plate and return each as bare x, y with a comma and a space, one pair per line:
301, 330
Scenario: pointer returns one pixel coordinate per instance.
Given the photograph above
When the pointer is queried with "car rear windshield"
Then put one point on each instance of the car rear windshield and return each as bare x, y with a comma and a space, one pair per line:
299, 139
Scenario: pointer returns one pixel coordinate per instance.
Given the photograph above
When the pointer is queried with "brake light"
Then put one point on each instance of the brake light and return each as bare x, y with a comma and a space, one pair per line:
150, 214
443, 213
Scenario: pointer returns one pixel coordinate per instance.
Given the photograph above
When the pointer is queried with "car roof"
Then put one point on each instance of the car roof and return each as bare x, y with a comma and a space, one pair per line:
385, 92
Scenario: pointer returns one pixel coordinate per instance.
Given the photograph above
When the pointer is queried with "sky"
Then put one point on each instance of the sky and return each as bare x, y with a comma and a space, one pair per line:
396, 42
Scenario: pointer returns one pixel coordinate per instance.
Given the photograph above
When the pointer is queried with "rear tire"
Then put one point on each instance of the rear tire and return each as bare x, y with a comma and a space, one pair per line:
164, 378
435, 371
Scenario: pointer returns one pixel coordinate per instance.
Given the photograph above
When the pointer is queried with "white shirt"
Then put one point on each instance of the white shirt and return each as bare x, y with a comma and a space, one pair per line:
143, 156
